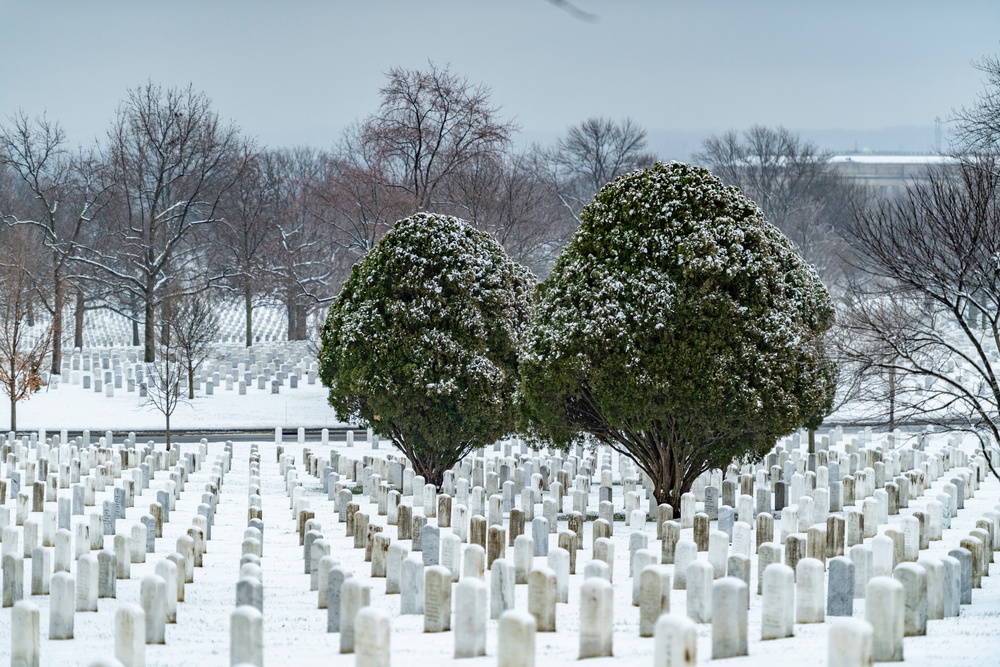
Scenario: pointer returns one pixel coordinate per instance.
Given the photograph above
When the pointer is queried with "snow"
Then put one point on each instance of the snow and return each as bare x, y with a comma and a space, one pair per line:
74, 408
295, 629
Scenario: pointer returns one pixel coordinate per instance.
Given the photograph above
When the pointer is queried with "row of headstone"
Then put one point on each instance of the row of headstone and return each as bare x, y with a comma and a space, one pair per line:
96, 575
277, 367
246, 627
804, 571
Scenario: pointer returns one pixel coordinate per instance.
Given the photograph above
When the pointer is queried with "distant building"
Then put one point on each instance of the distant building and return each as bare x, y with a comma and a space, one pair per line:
887, 174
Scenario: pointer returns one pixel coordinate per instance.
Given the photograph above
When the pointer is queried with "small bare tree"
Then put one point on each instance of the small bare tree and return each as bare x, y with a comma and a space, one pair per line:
926, 305
194, 328
23, 349
163, 377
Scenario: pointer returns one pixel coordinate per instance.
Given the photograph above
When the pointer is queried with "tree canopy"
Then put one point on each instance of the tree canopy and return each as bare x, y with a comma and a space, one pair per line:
421, 344
679, 327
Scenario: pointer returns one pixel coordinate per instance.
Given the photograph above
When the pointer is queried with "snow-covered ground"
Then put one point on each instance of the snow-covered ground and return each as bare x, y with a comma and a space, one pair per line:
295, 630
74, 408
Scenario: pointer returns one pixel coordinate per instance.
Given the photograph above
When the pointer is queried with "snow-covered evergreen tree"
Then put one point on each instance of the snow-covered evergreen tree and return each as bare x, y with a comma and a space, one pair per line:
679, 327
421, 344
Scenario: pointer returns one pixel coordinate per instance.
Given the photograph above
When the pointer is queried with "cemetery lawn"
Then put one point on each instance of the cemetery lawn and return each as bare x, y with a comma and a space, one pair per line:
295, 630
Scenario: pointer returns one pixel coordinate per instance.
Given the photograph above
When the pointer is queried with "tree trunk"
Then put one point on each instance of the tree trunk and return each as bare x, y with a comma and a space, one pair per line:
13, 414
812, 441
248, 306
135, 332
166, 413
150, 332
190, 370
892, 399
292, 313
432, 474
78, 312
57, 324
668, 480
301, 316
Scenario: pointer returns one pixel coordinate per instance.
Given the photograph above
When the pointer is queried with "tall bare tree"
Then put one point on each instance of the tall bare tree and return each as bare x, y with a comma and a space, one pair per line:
429, 124
926, 308
510, 197
248, 231
593, 153
171, 160
793, 182
67, 192
978, 127
306, 251
359, 199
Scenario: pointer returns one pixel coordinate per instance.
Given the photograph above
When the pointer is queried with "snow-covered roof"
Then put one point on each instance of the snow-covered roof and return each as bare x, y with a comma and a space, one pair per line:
872, 158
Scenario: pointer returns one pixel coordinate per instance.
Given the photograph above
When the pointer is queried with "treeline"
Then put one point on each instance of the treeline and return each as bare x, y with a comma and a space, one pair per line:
174, 201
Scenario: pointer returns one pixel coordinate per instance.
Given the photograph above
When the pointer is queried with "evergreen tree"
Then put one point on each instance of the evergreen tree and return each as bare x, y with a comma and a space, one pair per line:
679, 327
421, 344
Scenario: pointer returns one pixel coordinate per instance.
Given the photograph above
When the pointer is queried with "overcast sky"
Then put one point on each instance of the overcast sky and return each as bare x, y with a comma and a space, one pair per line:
297, 72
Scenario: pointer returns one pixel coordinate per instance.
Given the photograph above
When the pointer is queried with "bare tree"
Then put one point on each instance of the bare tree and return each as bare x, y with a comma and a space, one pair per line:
429, 124
793, 183
926, 309
248, 231
22, 349
510, 197
163, 378
194, 328
171, 161
592, 154
306, 250
978, 128
67, 192
360, 202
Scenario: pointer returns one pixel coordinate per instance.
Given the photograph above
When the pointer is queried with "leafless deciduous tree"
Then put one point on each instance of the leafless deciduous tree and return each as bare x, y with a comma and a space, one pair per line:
792, 182
171, 160
592, 154
429, 124
358, 197
248, 232
22, 350
510, 197
194, 327
67, 192
164, 391
978, 127
926, 306
306, 252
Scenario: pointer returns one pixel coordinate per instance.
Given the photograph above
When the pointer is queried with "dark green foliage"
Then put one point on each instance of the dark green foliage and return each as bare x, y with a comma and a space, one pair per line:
679, 327
421, 344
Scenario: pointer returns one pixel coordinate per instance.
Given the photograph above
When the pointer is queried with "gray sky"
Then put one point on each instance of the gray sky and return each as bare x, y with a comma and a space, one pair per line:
297, 72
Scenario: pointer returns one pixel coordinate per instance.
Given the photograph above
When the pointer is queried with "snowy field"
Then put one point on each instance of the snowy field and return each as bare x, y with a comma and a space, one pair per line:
71, 407
81, 399
295, 629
